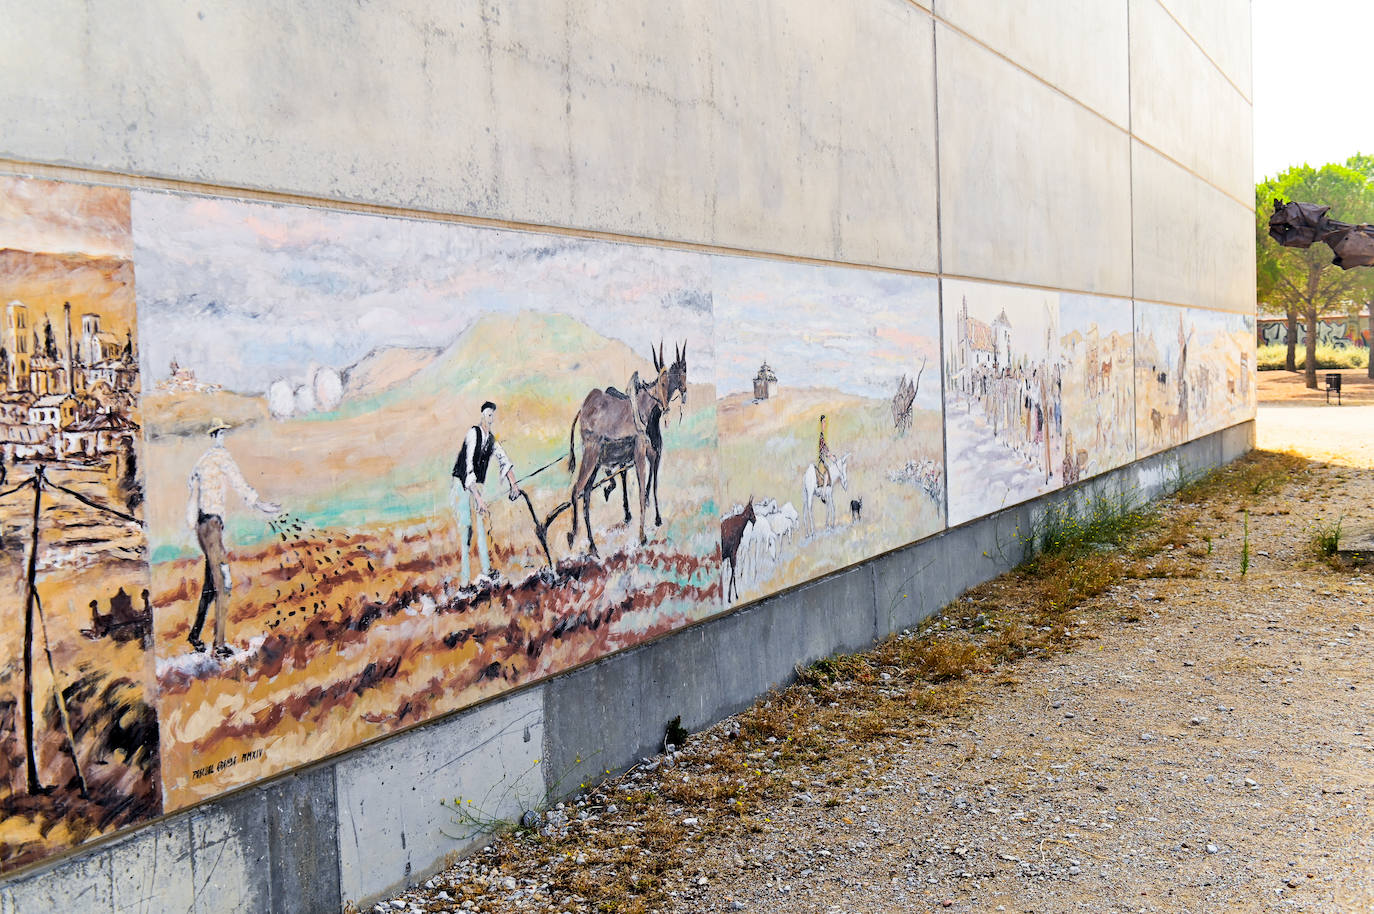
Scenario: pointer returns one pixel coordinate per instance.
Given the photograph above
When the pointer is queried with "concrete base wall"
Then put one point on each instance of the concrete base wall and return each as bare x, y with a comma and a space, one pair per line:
367, 823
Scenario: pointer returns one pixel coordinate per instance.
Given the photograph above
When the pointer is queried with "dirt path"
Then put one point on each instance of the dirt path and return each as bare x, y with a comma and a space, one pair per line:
1206, 743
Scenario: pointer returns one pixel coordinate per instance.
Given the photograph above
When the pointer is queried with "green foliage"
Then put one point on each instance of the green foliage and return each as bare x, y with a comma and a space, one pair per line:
1292, 279
1070, 530
1326, 538
1328, 357
1245, 547
1296, 281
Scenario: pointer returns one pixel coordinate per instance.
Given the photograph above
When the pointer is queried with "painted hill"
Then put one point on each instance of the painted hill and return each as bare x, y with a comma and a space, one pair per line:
534, 357
382, 369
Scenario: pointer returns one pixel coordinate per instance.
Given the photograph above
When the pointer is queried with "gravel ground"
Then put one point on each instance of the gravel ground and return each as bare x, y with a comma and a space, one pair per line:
1206, 744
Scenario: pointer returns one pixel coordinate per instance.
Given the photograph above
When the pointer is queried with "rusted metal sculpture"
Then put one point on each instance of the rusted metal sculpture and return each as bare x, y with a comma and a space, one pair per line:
1300, 225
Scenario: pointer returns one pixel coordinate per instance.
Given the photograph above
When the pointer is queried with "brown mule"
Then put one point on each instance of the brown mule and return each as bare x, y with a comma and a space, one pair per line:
620, 431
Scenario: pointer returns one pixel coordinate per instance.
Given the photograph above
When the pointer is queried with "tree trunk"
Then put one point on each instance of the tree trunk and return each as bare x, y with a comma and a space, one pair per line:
1291, 331
1368, 338
1310, 372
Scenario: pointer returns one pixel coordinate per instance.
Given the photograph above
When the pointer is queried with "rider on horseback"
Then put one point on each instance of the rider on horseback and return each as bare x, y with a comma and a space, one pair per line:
823, 458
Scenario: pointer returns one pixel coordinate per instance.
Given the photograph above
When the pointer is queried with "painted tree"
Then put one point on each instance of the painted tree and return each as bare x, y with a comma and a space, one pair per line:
1295, 281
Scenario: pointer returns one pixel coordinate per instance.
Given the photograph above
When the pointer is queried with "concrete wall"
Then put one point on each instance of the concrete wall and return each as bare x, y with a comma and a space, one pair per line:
1078, 147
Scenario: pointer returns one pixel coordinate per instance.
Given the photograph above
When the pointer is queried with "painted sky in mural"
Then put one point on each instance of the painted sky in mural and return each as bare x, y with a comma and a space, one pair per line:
789, 311
288, 286
798, 345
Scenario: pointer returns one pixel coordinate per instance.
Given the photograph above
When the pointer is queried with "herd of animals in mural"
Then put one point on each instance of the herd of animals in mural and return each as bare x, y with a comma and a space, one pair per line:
277, 480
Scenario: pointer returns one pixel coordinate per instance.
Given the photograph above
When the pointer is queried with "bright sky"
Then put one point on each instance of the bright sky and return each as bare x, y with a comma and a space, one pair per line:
1311, 88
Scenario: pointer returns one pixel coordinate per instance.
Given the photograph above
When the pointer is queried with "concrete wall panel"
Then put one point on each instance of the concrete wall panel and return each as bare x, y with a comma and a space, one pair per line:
1183, 106
1034, 188
230, 855
1222, 29
388, 103
828, 149
586, 114
1077, 46
1193, 244
392, 828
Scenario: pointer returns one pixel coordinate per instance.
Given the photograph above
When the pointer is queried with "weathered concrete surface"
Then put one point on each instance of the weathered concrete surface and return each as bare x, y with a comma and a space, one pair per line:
613, 712
230, 862
1222, 29
1193, 244
1183, 106
302, 842
392, 828
1077, 46
826, 137
1033, 187
615, 115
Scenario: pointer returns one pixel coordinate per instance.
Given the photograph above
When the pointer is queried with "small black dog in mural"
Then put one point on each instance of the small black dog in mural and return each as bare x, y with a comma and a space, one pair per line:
856, 509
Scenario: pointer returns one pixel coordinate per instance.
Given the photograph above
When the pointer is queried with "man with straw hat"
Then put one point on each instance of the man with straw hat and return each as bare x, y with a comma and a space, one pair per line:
211, 478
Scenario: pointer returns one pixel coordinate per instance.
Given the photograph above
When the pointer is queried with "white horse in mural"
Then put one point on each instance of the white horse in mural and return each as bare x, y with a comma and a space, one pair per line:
825, 493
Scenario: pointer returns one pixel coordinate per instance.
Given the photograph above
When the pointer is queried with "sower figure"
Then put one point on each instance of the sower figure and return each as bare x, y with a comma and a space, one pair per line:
469, 475
211, 478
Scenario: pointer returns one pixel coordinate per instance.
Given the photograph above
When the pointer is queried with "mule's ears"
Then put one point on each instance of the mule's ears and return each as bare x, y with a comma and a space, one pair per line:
658, 360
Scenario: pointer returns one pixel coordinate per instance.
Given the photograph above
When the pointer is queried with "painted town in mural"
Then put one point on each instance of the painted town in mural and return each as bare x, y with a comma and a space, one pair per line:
279, 480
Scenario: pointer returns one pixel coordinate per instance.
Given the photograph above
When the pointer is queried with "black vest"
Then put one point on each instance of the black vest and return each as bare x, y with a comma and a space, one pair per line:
480, 460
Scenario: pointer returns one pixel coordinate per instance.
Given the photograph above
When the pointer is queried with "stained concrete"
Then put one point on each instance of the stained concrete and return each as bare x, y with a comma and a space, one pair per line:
610, 714
612, 115
302, 842
230, 864
1034, 188
393, 829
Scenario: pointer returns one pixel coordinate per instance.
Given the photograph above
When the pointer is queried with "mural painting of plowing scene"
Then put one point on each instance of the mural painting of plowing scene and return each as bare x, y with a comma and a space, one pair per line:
80, 734
831, 441
403, 465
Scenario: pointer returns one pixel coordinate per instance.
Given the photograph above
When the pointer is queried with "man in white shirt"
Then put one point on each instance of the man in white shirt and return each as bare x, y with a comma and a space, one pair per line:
469, 475
209, 483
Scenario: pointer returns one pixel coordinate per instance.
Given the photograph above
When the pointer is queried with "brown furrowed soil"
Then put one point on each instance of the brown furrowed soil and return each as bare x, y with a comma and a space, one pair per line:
321, 665
1182, 724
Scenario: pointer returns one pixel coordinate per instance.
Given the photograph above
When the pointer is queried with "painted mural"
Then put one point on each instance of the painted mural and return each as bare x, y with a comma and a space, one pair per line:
1194, 373
1003, 396
1163, 335
1097, 367
80, 732
319, 476
829, 412
405, 465
1221, 370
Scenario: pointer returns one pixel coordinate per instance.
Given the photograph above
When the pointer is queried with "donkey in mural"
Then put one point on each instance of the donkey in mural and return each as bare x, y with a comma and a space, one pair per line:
621, 431
826, 493
677, 386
